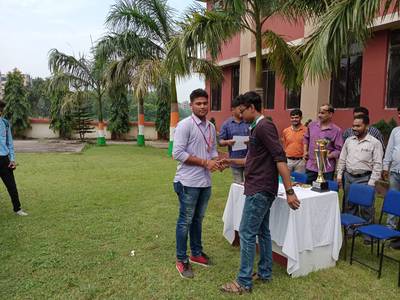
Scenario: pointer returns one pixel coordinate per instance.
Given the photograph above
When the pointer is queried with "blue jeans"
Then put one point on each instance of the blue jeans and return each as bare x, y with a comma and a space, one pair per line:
192, 208
394, 179
255, 221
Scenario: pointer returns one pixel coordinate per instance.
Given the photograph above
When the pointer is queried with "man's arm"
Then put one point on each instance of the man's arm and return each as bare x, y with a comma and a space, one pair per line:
224, 139
376, 164
337, 145
306, 141
342, 163
10, 146
387, 160
283, 170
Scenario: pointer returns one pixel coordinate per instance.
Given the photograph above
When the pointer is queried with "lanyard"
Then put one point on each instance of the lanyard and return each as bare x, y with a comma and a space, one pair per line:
209, 142
255, 122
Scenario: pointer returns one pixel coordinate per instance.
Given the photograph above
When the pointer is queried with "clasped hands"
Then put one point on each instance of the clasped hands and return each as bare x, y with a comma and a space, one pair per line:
217, 165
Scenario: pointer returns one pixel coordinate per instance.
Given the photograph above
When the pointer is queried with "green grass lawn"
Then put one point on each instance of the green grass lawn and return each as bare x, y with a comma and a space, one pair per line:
88, 211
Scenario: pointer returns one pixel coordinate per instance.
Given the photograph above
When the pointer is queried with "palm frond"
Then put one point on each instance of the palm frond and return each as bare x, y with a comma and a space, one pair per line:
284, 58
133, 15
146, 75
343, 23
209, 29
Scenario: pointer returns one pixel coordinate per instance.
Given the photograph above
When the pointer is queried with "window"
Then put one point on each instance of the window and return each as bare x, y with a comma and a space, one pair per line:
268, 86
235, 82
216, 98
293, 98
346, 83
393, 87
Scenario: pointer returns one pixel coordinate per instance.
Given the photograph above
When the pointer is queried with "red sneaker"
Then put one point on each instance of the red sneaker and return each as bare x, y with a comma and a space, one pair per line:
184, 269
202, 259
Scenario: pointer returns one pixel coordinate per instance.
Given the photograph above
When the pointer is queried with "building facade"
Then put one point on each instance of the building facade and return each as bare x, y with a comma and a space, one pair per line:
369, 77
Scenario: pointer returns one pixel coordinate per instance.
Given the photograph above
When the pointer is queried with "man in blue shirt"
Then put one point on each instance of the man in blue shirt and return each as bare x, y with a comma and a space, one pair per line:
7, 162
234, 126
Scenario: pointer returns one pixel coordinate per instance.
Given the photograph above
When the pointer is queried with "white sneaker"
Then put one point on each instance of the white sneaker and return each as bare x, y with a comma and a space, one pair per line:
21, 213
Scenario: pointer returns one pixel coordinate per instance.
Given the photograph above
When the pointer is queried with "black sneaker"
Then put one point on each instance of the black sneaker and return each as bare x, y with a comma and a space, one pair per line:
184, 269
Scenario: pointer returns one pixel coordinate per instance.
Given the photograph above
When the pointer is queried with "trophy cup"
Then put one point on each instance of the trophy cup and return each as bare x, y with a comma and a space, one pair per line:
320, 185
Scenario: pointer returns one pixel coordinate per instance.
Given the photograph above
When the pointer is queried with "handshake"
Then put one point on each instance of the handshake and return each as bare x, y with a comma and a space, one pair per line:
216, 165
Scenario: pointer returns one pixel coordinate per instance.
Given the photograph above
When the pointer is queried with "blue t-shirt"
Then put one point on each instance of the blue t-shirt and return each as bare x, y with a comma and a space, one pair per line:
231, 128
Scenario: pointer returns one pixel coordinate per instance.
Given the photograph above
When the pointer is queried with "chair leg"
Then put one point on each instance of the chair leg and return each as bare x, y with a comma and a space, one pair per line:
372, 246
345, 243
377, 253
381, 260
398, 282
352, 247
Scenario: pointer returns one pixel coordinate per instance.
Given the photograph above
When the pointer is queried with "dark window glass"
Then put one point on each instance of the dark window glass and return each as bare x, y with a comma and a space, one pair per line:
268, 86
235, 81
393, 92
346, 83
293, 98
216, 98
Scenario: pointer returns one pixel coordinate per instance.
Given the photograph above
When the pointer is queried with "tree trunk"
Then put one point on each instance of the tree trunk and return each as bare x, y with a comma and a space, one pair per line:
101, 138
174, 118
259, 73
140, 136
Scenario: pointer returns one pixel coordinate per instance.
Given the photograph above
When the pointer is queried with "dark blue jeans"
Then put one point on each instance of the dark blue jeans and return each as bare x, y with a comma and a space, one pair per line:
192, 208
255, 221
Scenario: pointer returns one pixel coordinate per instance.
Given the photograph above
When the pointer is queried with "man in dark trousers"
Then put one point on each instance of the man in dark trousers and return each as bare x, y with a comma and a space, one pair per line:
7, 162
264, 161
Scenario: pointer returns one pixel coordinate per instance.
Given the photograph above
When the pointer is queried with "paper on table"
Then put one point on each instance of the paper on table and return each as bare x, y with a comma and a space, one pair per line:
239, 142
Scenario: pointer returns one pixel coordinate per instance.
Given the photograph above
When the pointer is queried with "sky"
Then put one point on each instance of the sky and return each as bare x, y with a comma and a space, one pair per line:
30, 28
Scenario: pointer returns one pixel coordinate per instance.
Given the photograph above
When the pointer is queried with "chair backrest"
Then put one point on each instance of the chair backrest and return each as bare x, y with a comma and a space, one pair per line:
362, 194
299, 177
333, 185
391, 203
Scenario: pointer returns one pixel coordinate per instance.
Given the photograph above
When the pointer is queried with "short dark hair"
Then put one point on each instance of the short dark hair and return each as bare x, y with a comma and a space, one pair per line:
2, 104
249, 98
398, 109
236, 102
197, 94
296, 112
331, 109
364, 118
361, 109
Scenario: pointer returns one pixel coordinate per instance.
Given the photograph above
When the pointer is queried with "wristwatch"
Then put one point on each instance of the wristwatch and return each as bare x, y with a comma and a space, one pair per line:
290, 192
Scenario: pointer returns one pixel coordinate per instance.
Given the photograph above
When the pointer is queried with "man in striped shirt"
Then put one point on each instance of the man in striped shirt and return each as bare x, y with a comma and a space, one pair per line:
359, 111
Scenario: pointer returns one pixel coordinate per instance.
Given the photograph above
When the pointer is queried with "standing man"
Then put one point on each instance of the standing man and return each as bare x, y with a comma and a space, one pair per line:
265, 160
391, 167
359, 111
322, 129
360, 162
7, 162
292, 140
195, 148
234, 126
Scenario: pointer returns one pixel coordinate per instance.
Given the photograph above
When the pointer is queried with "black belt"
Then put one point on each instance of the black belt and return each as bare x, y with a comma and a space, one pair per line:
360, 175
294, 158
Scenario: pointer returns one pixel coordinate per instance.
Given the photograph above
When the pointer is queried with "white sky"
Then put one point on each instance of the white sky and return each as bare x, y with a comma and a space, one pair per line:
30, 28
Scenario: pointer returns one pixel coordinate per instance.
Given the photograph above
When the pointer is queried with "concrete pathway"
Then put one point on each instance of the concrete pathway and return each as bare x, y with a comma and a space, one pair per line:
45, 146
70, 146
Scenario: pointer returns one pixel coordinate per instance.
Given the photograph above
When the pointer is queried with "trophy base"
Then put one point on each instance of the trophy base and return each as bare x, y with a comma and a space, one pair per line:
320, 187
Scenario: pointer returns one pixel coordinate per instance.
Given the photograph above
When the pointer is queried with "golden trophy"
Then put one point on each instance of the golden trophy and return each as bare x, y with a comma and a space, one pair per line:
321, 153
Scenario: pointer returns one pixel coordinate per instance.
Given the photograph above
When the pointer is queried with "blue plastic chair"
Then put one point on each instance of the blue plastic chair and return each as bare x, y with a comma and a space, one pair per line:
359, 194
299, 177
333, 186
381, 233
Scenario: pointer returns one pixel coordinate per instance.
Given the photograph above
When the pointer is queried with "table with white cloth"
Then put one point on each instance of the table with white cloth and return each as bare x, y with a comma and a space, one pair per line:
309, 237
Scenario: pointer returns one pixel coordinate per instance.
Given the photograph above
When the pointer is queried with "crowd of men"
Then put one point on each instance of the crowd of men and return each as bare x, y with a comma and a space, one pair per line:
355, 155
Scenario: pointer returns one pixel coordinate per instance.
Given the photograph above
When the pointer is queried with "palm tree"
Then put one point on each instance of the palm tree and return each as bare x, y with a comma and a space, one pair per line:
343, 23
143, 37
212, 28
82, 72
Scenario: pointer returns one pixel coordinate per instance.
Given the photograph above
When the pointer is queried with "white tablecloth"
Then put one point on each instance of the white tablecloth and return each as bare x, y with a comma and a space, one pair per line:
310, 235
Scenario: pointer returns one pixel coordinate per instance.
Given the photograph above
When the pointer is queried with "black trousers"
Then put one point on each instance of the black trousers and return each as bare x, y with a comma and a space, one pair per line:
7, 175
